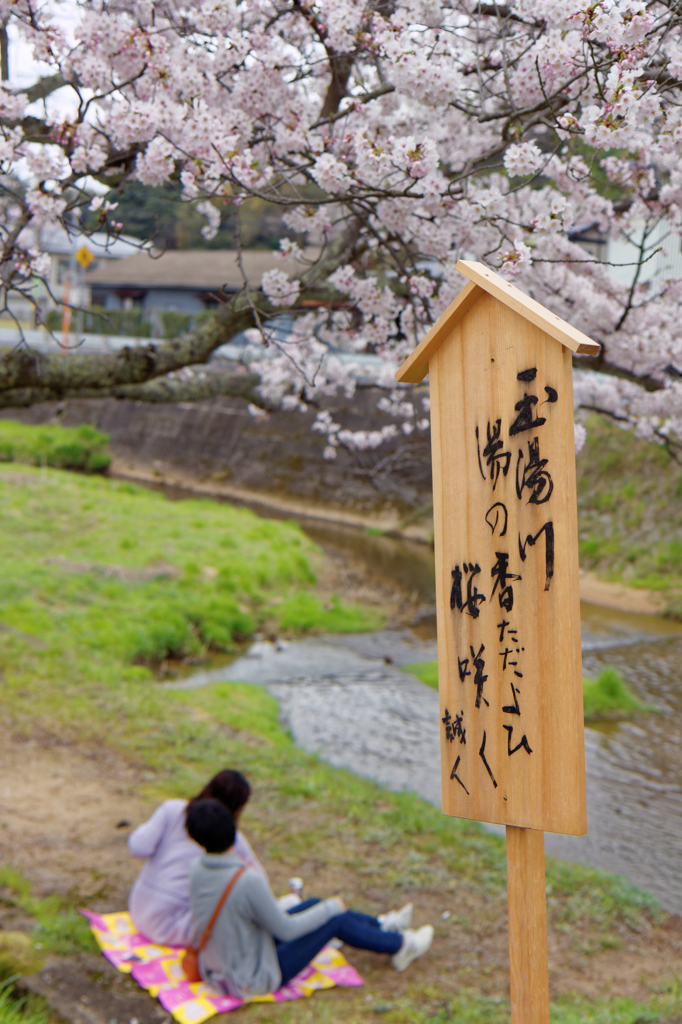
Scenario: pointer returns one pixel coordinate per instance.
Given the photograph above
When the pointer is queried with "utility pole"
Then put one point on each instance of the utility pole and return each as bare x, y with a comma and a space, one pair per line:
4, 51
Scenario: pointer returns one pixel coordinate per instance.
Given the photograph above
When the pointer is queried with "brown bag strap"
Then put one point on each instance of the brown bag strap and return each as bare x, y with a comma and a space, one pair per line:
221, 903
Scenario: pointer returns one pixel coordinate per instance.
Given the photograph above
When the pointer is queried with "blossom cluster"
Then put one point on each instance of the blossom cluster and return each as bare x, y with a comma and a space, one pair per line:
396, 140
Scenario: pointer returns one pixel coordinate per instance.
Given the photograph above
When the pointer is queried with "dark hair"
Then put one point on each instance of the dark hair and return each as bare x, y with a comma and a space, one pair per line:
210, 824
230, 787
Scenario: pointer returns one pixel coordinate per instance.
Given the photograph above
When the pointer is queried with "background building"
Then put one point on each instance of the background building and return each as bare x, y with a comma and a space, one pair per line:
172, 290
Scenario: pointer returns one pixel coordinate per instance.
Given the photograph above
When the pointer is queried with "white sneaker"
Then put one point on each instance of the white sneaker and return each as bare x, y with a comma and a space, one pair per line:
396, 920
415, 943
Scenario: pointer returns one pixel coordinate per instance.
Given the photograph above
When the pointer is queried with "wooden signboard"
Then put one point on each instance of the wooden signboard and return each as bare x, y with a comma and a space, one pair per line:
509, 658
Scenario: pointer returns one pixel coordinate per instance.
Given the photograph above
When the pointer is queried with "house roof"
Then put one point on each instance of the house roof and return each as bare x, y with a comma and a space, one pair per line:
482, 279
196, 269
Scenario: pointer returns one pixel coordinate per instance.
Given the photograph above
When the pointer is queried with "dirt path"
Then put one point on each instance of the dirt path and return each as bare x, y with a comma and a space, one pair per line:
59, 811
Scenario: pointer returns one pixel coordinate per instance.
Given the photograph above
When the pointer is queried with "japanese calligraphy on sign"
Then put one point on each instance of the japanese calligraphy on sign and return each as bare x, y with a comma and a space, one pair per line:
510, 671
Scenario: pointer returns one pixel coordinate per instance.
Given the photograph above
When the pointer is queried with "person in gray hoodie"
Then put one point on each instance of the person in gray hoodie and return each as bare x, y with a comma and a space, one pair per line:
255, 947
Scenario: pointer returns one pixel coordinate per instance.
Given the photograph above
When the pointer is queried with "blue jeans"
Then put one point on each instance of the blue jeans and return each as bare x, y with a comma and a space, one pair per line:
358, 930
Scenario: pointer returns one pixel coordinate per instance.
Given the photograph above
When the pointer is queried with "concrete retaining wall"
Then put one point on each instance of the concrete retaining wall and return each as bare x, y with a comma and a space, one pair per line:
220, 440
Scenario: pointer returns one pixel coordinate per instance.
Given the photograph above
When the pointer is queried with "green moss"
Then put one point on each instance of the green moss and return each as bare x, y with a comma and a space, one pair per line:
18, 954
609, 698
59, 928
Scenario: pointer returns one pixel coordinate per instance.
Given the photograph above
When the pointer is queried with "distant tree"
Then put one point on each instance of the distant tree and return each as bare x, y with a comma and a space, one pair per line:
151, 212
395, 135
158, 212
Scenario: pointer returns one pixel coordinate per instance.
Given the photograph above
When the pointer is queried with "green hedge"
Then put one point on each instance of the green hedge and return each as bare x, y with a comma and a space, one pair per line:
127, 323
81, 448
175, 324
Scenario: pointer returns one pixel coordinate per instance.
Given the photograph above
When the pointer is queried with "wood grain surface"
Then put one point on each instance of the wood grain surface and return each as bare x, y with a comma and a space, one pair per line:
531, 310
504, 504
416, 366
527, 926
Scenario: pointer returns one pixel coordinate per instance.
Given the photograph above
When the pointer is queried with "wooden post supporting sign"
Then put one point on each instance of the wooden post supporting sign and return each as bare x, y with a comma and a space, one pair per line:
527, 925
508, 607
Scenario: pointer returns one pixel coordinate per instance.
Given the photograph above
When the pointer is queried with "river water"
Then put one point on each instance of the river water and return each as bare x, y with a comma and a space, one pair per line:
634, 769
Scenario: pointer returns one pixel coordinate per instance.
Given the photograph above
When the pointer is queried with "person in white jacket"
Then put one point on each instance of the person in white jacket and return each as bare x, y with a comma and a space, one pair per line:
159, 902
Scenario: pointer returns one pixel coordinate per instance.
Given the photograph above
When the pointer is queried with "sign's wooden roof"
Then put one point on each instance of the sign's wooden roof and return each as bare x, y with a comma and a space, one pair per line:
482, 279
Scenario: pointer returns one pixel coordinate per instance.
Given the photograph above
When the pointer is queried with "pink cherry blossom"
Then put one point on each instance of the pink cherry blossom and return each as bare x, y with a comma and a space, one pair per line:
395, 141
279, 289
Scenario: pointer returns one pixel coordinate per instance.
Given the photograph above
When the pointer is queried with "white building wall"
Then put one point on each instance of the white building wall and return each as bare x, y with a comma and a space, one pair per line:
661, 266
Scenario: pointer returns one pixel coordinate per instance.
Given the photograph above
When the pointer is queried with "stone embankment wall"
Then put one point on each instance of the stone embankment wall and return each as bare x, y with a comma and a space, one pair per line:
220, 441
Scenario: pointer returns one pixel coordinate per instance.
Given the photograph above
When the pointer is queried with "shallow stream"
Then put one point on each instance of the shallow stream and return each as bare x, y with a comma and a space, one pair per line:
634, 769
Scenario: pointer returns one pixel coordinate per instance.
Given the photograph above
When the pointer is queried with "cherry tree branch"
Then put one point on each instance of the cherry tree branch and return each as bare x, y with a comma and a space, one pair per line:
23, 369
194, 388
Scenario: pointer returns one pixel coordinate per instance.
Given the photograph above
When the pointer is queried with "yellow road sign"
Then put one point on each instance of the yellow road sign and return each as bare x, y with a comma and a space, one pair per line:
84, 257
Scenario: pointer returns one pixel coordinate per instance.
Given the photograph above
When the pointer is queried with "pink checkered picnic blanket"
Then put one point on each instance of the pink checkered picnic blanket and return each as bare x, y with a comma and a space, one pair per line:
158, 969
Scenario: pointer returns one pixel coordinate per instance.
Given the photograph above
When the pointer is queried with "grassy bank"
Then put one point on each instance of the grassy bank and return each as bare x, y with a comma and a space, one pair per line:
375, 847
91, 565
100, 582
83, 448
630, 512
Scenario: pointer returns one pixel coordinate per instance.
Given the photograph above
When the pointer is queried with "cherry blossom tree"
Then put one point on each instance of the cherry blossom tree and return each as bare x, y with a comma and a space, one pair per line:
397, 136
